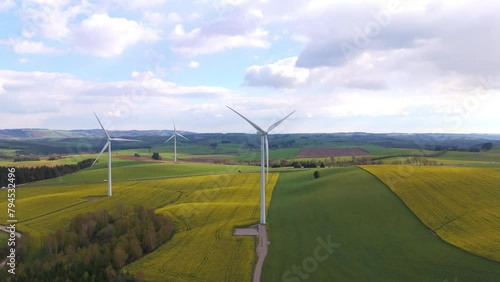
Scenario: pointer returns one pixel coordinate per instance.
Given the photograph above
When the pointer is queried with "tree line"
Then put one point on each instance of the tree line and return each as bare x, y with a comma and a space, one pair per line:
96, 246
31, 174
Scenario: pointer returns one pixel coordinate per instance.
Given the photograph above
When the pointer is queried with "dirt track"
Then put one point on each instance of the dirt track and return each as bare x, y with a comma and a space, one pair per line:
261, 250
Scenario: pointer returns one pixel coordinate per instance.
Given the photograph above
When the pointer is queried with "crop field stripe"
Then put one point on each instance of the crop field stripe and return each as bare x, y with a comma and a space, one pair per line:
380, 238
462, 205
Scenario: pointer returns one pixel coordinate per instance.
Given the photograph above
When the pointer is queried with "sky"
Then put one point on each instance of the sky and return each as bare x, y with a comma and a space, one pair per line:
344, 66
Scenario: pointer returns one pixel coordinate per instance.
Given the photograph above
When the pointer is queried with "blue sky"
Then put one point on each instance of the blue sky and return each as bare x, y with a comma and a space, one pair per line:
374, 66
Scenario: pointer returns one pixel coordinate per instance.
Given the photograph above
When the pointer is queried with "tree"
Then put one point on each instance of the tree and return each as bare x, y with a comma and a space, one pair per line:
316, 174
156, 156
486, 146
120, 256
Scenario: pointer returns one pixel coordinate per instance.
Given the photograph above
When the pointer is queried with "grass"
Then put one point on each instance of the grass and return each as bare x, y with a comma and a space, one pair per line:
489, 156
462, 205
380, 238
205, 209
4, 237
68, 159
127, 170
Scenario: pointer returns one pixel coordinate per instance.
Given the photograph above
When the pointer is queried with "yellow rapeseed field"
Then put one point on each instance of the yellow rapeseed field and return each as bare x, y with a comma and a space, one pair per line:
203, 248
205, 210
460, 204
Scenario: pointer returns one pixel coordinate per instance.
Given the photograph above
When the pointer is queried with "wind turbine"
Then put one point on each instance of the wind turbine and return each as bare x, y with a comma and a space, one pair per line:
264, 157
175, 141
108, 145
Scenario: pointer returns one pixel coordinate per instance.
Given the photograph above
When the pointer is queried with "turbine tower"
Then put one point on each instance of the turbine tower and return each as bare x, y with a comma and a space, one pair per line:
108, 146
175, 141
264, 157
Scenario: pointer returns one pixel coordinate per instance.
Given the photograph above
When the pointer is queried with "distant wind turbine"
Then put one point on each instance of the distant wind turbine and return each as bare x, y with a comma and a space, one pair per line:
264, 157
108, 145
175, 141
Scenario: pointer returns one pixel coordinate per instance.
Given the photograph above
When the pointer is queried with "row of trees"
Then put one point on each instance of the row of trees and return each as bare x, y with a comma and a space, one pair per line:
31, 174
97, 245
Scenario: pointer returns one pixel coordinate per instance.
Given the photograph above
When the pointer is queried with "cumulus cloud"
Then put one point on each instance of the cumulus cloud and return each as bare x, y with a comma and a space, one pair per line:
105, 36
51, 19
431, 31
368, 84
280, 74
193, 64
6, 5
30, 47
195, 43
238, 29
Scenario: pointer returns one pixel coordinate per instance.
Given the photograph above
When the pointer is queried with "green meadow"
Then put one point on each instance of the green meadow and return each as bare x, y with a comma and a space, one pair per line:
376, 237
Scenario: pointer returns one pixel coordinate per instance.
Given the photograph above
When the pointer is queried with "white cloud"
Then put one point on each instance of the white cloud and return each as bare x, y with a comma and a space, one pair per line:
280, 74
51, 19
105, 36
237, 28
174, 17
193, 64
6, 5
74, 98
23, 60
30, 47
195, 43
141, 4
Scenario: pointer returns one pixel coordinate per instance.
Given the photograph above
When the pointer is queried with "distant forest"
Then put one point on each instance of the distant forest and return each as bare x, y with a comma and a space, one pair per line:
217, 142
31, 174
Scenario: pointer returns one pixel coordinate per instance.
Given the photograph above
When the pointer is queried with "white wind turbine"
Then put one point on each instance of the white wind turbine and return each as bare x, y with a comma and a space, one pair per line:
264, 157
108, 145
175, 141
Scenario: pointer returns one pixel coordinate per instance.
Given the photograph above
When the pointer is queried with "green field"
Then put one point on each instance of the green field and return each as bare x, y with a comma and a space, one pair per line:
490, 156
379, 238
4, 236
68, 159
127, 170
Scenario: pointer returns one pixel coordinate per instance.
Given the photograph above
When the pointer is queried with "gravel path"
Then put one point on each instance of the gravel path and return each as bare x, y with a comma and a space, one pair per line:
261, 250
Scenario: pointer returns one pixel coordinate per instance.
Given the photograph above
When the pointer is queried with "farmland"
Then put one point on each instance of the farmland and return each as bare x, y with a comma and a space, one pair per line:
205, 209
376, 237
329, 152
127, 170
462, 205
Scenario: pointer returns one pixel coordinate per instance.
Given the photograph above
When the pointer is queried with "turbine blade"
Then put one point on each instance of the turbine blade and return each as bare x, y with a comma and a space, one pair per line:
169, 139
173, 121
278, 122
105, 132
249, 121
103, 149
181, 136
124, 139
